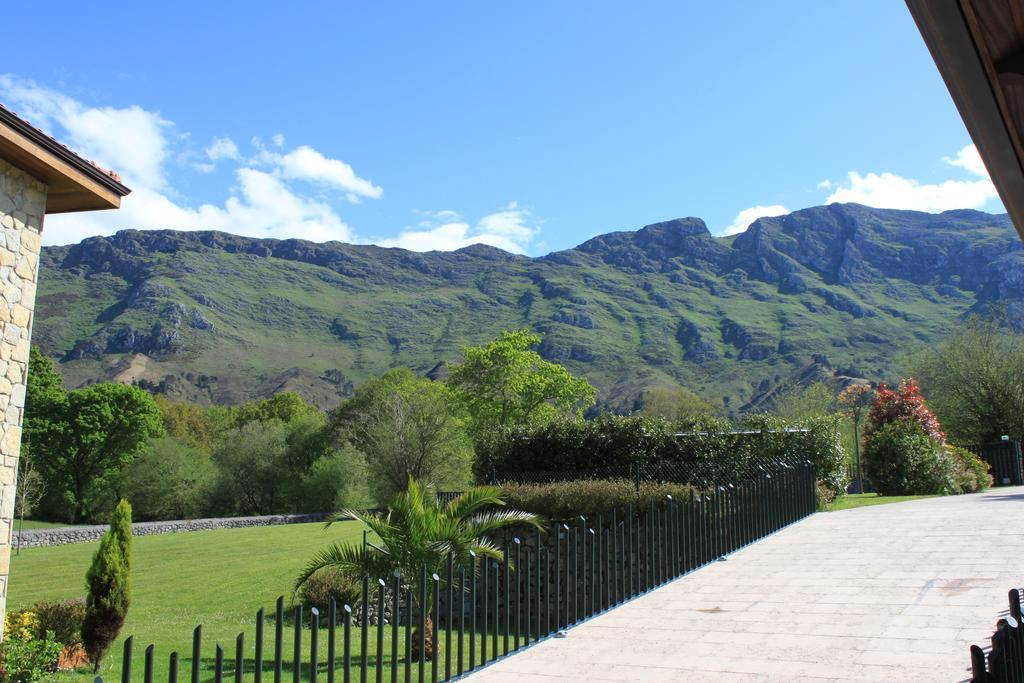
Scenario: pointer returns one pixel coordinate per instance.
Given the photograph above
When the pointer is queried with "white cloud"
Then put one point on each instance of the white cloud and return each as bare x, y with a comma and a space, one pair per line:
222, 148
138, 144
305, 163
269, 197
747, 216
825, 184
130, 140
510, 228
968, 158
263, 207
891, 191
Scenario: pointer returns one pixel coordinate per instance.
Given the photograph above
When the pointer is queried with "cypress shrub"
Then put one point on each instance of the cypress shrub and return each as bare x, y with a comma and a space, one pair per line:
108, 583
121, 527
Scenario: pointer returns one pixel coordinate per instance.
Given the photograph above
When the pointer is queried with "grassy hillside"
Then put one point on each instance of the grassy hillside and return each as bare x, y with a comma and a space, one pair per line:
825, 293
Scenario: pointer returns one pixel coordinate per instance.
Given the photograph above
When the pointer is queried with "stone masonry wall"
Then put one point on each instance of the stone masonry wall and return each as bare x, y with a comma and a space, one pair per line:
22, 206
37, 538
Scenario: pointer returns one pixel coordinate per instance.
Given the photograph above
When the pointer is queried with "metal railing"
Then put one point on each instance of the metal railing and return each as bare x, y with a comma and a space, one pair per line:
1004, 461
445, 624
1005, 660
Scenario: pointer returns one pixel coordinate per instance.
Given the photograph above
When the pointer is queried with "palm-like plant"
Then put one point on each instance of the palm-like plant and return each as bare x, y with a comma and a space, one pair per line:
417, 533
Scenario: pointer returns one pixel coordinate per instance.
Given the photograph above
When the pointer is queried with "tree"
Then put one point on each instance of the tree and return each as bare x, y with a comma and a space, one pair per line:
253, 472
44, 396
285, 407
419, 533
45, 386
678, 405
189, 424
903, 403
31, 488
407, 427
904, 445
854, 400
169, 480
507, 383
798, 401
974, 381
93, 434
109, 589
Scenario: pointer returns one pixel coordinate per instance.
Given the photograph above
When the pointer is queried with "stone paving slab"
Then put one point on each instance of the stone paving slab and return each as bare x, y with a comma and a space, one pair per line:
886, 593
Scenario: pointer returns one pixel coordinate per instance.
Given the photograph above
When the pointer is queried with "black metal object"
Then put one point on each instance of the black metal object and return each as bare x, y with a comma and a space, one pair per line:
1005, 660
546, 582
1005, 462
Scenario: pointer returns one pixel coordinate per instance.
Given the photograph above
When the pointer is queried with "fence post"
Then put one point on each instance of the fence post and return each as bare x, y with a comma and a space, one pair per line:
239, 654
332, 627
437, 622
147, 672
519, 590
297, 643
484, 604
462, 613
381, 598
346, 644
126, 661
197, 637
472, 613
448, 620
258, 657
408, 634
423, 620
979, 673
278, 642
396, 617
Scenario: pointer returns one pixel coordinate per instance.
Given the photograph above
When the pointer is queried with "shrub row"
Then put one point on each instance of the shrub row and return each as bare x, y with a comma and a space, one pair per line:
708, 450
591, 498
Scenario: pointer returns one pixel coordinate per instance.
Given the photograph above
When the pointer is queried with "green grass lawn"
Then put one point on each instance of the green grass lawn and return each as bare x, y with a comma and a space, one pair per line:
857, 500
215, 578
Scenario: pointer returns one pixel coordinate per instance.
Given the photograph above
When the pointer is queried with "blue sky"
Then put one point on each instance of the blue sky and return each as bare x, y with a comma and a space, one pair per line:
528, 125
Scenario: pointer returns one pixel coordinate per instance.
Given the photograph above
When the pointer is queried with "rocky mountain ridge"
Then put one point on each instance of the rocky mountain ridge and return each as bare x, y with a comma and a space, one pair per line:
833, 291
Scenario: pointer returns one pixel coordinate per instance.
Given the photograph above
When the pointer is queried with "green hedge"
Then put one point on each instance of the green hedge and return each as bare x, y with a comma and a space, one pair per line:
713, 448
567, 500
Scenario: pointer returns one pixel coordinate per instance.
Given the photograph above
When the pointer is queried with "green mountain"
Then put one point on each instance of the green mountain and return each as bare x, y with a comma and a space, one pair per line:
825, 293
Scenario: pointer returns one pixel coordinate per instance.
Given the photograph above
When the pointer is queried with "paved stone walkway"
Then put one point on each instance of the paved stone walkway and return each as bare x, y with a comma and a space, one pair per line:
887, 593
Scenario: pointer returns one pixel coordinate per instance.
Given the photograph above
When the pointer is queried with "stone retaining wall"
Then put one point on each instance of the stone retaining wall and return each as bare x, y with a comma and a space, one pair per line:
37, 538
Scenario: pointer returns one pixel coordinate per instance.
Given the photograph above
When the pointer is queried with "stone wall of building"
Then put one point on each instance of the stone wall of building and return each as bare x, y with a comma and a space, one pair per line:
22, 206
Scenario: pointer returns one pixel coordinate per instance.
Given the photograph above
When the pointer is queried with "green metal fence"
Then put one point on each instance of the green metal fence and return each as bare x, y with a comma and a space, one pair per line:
1004, 662
442, 626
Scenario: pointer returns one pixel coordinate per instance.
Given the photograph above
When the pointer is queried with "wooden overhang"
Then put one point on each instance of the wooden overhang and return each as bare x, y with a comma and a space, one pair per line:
73, 183
978, 46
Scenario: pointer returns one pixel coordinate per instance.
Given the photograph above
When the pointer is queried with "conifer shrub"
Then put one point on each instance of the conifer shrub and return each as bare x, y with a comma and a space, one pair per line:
108, 582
